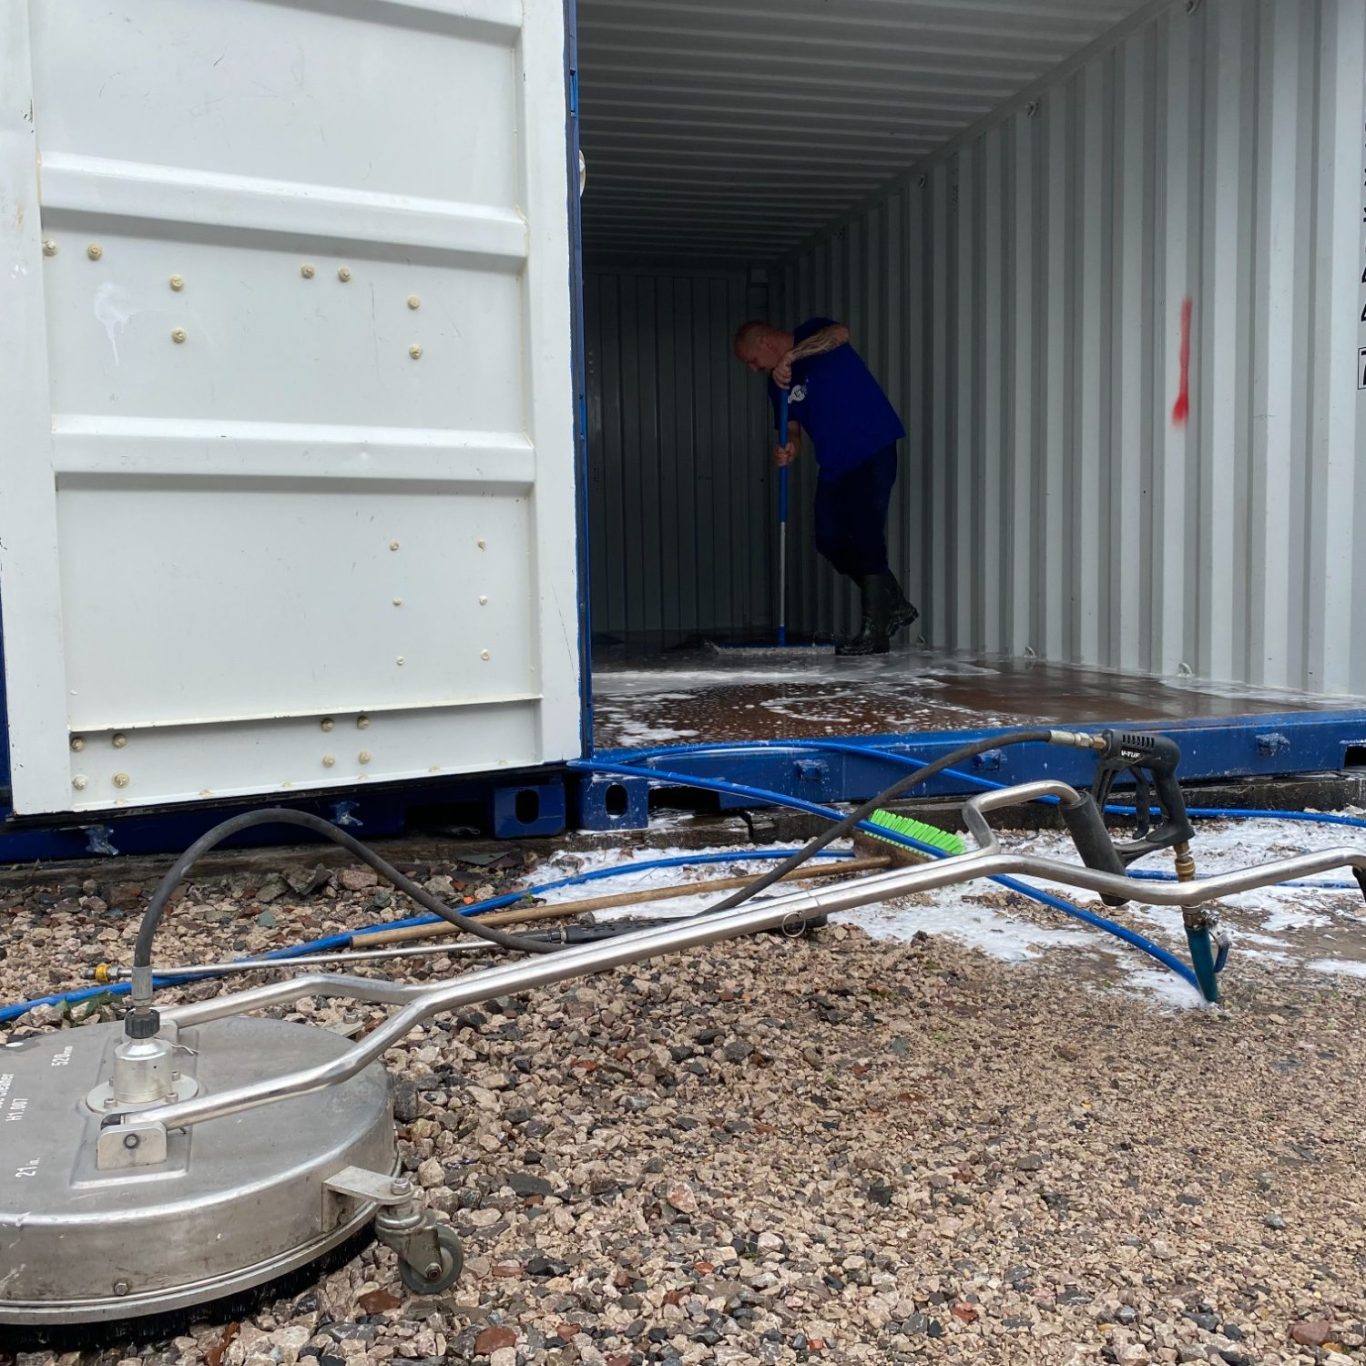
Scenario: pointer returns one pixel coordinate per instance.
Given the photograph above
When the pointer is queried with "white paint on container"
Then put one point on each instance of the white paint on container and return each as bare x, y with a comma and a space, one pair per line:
199, 487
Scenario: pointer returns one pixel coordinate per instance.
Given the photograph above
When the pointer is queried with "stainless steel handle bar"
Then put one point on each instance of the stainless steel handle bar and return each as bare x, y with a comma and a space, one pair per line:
396, 993
791, 909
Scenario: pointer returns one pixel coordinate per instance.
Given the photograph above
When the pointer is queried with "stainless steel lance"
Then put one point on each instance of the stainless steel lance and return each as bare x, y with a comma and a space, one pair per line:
789, 910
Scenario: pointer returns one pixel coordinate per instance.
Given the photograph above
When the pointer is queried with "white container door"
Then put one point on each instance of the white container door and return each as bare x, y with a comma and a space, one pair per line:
287, 494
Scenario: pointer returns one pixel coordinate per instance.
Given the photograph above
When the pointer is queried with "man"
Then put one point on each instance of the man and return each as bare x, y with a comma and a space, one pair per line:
832, 395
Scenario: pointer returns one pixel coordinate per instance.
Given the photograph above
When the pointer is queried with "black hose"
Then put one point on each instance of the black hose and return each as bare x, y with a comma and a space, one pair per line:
151, 920
142, 950
843, 827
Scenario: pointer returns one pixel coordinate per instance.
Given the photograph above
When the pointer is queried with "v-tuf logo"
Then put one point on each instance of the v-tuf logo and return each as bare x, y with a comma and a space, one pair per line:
797, 393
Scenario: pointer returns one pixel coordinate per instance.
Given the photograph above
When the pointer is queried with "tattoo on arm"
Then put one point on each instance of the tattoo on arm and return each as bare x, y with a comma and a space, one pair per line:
818, 343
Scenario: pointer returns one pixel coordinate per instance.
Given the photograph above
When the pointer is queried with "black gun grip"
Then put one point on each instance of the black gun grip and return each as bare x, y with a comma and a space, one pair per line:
1087, 828
1151, 761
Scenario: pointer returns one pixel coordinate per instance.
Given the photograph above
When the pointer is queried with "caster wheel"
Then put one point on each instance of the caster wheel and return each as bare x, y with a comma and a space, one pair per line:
452, 1264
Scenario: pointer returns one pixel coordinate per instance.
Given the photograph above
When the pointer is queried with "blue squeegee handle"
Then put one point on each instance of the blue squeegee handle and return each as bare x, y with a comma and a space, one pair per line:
782, 521
782, 471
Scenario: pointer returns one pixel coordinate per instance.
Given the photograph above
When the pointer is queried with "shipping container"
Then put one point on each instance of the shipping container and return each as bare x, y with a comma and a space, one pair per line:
337, 407
1107, 262
288, 480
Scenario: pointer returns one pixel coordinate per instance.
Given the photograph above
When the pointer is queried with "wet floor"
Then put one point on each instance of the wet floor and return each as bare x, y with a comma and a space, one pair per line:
697, 694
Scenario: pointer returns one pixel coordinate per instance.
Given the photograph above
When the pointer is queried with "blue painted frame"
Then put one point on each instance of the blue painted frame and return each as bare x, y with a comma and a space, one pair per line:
4, 721
488, 801
841, 770
578, 360
822, 771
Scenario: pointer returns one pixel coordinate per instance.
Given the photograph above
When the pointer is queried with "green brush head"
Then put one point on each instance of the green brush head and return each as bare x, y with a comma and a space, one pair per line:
944, 840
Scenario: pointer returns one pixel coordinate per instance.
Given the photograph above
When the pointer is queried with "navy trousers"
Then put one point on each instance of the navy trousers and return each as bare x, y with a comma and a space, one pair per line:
850, 515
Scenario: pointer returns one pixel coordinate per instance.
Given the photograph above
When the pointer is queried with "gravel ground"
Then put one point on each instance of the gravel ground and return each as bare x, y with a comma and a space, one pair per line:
840, 1150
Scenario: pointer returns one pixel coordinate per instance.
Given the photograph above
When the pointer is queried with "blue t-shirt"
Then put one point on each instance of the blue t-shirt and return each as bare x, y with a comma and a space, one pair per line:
838, 403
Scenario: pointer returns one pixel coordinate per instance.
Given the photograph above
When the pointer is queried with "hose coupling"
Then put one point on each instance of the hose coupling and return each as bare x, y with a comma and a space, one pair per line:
142, 1022
141, 994
1076, 739
1185, 862
1200, 918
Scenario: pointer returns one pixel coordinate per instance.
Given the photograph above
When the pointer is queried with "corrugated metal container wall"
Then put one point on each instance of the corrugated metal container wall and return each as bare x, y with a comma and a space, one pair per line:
1023, 303
679, 487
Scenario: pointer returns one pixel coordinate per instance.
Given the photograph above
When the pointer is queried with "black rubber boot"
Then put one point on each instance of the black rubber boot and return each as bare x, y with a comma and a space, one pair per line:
879, 593
903, 613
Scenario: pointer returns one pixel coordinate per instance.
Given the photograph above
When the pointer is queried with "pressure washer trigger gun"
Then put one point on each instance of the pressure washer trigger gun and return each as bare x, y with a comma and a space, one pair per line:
1152, 761
1360, 875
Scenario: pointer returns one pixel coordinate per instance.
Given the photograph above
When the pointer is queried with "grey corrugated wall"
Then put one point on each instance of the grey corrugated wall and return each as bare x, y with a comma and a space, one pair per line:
680, 503
1022, 302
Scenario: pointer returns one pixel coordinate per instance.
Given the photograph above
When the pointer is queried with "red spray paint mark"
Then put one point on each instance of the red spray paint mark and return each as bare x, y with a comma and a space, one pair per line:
1182, 407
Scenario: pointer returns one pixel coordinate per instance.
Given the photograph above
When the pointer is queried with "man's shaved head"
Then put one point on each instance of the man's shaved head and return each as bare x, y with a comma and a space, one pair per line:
760, 345
749, 332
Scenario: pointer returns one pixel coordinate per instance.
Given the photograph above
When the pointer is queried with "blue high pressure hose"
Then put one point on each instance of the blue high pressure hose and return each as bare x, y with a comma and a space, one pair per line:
1210, 959
347, 940
1099, 922
974, 779
341, 941
870, 751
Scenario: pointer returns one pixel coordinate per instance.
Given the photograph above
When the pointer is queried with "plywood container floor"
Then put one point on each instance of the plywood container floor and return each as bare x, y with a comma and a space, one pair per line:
694, 694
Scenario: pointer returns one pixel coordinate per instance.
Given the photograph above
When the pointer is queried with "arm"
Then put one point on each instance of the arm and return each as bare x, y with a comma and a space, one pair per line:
817, 344
785, 455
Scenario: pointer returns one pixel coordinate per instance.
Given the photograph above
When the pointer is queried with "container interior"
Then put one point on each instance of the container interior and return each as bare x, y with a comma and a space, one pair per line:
1065, 239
